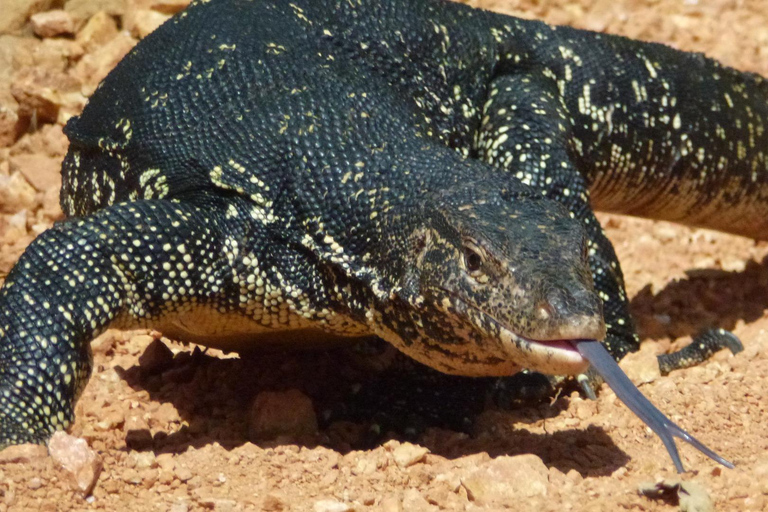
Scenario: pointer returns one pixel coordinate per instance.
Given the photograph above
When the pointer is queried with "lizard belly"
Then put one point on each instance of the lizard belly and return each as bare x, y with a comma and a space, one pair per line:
206, 325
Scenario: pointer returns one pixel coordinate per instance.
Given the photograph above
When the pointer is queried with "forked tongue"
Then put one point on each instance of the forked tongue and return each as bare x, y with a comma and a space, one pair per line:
594, 352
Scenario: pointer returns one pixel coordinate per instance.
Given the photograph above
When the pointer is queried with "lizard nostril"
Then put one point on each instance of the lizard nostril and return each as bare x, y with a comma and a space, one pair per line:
566, 303
545, 310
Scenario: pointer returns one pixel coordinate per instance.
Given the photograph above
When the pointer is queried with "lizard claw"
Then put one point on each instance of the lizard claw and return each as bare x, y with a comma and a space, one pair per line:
588, 381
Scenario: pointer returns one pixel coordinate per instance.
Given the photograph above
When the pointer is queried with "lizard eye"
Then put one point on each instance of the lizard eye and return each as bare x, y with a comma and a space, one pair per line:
472, 260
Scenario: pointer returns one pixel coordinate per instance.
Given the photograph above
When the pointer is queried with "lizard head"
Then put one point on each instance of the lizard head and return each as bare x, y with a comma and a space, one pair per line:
500, 281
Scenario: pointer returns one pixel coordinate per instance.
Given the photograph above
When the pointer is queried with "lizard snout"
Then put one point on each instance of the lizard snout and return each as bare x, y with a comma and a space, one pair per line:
569, 313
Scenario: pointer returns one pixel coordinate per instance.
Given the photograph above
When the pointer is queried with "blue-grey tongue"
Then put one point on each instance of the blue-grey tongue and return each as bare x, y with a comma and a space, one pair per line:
594, 352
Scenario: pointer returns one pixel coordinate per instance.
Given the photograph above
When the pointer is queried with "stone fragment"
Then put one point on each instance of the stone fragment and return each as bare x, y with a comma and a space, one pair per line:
52, 23
16, 193
93, 67
140, 23
82, 10
641, 366
23, 453
166, 414
81, 463
179, 506
691, 496
15, 13
41, 171
183, 473
331, 506
10, 125
41, 92
391, 503
408, 454
695, 498
273, 503
99, 29
15, 227
504, 480
168, 6
413, 501
105, 342
9, 122
275, 414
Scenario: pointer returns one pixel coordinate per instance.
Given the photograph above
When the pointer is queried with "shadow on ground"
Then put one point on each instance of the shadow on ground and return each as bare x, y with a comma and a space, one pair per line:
707, 298
214, 397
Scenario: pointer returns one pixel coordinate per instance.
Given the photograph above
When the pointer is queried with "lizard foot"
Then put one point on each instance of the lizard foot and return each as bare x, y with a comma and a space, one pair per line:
701, 349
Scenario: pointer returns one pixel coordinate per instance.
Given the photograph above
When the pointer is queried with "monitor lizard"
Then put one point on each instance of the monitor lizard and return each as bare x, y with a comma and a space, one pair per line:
291, 173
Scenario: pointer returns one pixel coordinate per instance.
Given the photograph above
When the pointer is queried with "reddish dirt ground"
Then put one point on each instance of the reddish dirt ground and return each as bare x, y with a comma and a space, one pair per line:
172, 429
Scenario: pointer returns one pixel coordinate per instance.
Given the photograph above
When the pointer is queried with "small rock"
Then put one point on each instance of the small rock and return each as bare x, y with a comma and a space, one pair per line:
408, 454
54, 142
179, 506
144, 460
665, 232
131, 476
9, 122
17, 12
166, 461
23, 453
166, 414
142, 22
506, 479
390, 504
93, 67
734, 264
42, 92
331, 506
74, 455
287, 413
105, 342
695, 498
413, 501
221, 504
15, 227
273, 503
99, 29
81, 10
156, 357
641, 366
53, 23
42, 172
183, 473
691, 496
16, 194
169, 6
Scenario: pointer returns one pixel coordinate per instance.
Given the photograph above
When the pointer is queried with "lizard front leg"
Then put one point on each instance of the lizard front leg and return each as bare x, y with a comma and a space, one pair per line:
126, 266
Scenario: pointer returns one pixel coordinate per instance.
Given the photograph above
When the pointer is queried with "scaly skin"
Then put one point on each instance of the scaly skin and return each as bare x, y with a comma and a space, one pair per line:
254, 172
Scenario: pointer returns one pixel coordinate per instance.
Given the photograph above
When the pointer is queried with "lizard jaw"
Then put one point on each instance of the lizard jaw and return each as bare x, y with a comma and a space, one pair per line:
553, 357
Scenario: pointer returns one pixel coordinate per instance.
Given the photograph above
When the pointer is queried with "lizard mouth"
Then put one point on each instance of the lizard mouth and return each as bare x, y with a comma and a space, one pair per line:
553, 357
